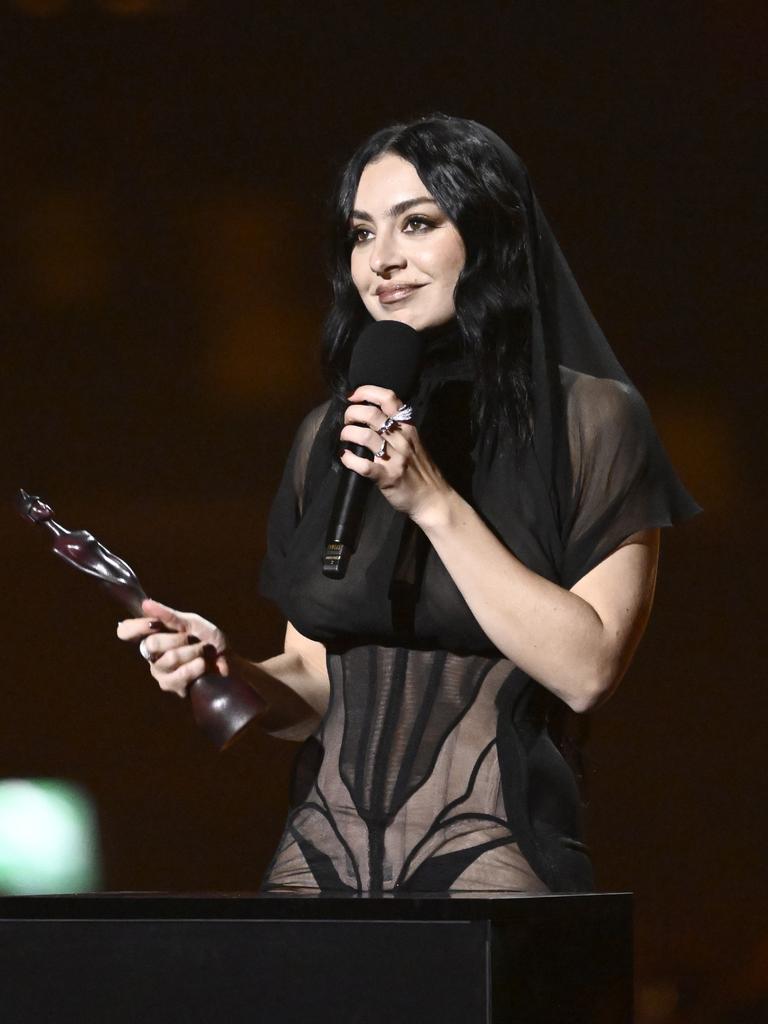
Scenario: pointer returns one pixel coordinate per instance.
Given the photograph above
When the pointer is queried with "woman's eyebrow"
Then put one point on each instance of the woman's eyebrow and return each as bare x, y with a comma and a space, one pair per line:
396, 210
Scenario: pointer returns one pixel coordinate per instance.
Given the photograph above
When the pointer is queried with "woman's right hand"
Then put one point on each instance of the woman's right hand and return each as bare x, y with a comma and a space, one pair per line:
181, 646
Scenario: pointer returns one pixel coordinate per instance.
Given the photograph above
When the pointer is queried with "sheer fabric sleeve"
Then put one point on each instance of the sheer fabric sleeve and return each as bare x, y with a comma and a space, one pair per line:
287, 506
623, 481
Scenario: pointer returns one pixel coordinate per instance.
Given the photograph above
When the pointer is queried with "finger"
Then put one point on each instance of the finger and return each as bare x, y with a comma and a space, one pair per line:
361, 435
169, 617
386, 399
374, 440
180, 679
135, 629
367, 415
158, 643
361, 466
173, 657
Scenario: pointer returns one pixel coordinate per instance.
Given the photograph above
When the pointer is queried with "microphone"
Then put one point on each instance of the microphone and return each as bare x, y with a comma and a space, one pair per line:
388, 354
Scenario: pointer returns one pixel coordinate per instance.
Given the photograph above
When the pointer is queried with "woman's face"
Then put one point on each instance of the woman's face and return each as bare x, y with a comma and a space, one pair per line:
407, 255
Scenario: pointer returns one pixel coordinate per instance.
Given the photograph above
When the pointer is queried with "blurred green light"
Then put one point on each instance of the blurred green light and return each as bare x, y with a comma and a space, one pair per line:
48, 838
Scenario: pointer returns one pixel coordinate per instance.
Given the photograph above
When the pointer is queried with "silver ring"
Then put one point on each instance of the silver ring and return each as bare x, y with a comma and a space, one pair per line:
382, 451
143, 650
403, 415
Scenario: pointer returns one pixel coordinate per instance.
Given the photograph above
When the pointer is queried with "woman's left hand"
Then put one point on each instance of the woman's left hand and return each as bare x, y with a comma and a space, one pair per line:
405, 474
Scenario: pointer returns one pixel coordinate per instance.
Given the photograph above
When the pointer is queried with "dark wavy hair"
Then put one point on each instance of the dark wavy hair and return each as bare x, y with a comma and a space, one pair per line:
464, 173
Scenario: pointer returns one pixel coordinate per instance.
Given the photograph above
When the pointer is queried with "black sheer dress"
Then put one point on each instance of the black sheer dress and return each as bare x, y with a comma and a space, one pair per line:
433, 769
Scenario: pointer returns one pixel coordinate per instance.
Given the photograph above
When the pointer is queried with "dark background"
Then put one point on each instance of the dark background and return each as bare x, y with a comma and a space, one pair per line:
164, 174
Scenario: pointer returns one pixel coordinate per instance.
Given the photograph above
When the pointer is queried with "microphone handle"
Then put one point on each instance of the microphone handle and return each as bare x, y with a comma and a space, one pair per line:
346, 517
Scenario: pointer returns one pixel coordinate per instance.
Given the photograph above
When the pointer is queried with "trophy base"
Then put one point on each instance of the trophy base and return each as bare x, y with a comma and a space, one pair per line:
223, 708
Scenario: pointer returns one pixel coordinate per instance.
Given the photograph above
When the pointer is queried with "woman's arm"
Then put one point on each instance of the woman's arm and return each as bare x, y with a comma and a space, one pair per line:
182, 646
295, 686
577, 643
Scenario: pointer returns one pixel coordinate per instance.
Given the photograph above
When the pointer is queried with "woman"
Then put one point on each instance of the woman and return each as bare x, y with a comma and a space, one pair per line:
506, 566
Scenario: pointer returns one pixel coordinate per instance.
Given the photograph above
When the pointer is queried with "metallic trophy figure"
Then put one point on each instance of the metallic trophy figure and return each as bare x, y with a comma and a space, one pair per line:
222, 707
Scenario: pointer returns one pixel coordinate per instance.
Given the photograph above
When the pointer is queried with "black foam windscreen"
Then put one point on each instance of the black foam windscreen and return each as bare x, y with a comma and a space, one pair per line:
388, 354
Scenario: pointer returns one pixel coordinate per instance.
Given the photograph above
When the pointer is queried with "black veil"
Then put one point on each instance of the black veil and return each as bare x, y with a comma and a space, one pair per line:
594, 440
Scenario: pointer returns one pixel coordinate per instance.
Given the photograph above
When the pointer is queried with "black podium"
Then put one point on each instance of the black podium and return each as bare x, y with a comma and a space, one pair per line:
230, 959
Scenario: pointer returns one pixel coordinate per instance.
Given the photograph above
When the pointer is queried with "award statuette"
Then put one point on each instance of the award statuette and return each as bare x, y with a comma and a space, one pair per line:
222, 707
